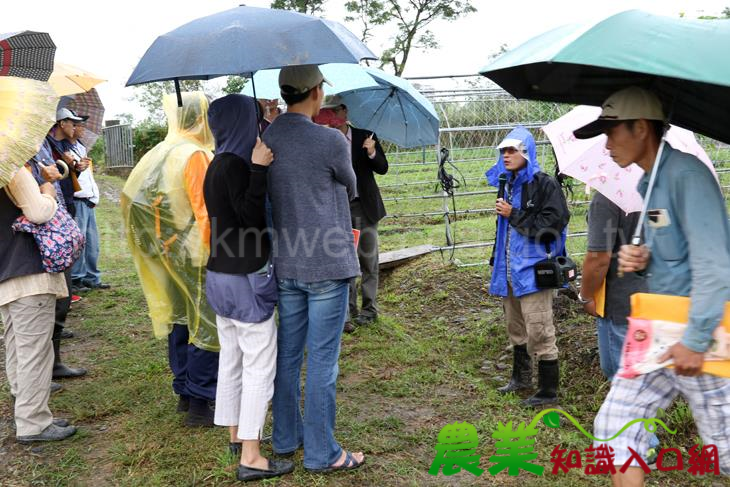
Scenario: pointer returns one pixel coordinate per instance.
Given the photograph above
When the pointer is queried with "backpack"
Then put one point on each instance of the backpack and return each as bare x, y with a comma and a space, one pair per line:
150, 215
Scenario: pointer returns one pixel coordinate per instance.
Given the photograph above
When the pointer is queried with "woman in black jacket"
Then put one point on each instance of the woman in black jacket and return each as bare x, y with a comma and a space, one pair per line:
240, 285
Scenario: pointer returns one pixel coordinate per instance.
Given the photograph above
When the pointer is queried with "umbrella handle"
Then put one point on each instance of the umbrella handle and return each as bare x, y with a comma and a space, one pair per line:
636, 238
63, 168
259, 115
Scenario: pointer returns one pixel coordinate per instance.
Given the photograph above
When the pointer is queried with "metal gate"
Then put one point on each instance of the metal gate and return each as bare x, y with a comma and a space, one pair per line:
119, 147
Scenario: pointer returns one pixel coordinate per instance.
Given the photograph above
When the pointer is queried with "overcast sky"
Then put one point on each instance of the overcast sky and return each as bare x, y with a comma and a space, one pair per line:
109, 37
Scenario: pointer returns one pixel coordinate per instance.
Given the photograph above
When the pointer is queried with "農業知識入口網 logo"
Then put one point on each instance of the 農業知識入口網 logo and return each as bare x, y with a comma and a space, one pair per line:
457, 444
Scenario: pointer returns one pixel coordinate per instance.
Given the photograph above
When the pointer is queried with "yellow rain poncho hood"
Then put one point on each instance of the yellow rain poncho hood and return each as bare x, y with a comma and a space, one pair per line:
166, 223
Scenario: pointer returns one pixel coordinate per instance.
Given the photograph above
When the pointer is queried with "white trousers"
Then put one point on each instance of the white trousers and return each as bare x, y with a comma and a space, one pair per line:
246, 370
29, 359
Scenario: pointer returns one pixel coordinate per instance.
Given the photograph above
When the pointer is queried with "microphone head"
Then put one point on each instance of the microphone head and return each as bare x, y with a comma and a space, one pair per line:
503, 178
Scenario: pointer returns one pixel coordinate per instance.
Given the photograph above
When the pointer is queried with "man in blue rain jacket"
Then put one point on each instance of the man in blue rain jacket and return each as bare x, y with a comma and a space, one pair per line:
531, 225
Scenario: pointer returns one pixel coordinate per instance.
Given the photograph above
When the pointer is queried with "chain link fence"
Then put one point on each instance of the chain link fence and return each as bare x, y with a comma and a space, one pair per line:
475, 116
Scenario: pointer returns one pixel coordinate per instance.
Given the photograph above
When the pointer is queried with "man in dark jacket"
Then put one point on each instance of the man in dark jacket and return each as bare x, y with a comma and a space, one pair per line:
366, 209
531, 227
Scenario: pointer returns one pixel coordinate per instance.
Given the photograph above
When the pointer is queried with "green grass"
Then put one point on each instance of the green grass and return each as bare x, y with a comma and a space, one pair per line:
401, 380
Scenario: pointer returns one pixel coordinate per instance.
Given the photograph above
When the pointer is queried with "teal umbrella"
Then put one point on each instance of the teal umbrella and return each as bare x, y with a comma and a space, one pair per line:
683, 61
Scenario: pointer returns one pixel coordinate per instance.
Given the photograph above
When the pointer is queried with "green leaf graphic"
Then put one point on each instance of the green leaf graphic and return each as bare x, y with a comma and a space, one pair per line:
552, 420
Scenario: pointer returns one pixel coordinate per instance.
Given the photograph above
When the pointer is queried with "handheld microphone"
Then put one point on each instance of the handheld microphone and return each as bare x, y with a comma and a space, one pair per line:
502, 183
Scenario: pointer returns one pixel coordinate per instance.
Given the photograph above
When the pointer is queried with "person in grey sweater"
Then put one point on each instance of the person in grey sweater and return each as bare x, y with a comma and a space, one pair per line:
311, 183
310, 187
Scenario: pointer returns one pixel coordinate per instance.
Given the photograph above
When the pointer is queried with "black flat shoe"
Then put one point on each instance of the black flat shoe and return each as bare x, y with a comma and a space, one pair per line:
276, 469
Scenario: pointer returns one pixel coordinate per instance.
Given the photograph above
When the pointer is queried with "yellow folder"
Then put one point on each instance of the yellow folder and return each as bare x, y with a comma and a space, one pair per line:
676, 309
600, 299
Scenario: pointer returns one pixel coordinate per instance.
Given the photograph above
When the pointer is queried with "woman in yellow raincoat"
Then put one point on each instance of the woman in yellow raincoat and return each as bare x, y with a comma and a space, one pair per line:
168, 234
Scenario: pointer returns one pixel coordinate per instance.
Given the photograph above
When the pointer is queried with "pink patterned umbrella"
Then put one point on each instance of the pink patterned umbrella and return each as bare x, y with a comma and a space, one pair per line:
589, 161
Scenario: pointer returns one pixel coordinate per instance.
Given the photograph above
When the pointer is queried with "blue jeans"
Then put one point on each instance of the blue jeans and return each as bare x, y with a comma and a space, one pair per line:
85, 268
610, 346
311, 314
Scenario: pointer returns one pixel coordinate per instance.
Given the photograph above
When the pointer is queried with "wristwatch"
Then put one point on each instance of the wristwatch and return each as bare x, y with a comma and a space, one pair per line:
583, 301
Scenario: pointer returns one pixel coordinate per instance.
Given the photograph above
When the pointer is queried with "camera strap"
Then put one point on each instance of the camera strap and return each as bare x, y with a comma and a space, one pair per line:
547, 250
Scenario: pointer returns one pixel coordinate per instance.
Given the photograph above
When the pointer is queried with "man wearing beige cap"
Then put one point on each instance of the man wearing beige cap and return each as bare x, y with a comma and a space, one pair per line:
311, 183
687, 253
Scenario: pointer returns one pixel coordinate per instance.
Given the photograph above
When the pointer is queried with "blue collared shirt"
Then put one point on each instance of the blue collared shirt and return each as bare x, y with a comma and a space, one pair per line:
688, 233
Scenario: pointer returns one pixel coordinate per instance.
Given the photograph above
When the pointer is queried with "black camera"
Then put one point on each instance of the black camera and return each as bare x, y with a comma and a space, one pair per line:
555, 272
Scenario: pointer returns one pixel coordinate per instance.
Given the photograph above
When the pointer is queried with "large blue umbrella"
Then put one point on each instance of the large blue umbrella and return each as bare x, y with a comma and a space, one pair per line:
342, 76
394, 109
243, 40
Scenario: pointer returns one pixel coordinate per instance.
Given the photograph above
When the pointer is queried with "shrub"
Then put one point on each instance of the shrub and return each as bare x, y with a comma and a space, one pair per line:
147, 135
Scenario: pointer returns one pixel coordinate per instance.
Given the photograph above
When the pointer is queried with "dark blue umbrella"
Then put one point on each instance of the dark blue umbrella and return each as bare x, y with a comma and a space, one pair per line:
243, 40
